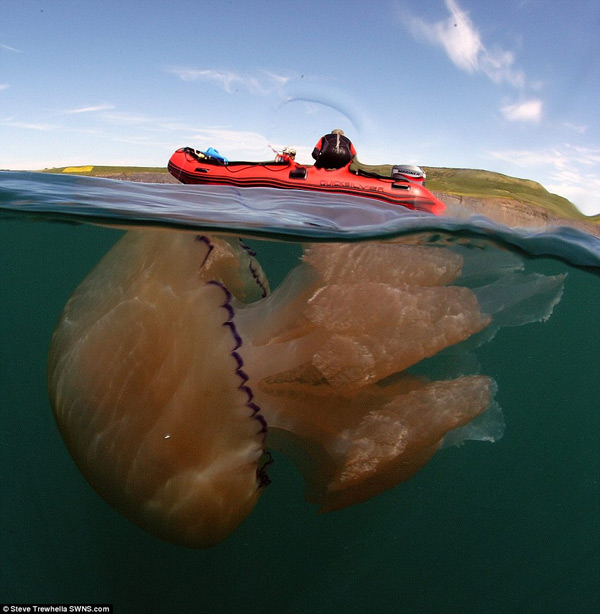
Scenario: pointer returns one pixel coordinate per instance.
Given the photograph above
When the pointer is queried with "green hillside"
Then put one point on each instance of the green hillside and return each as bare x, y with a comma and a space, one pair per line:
486, 184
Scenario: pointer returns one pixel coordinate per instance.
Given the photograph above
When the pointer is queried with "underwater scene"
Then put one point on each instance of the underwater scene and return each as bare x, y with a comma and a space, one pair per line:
250, 400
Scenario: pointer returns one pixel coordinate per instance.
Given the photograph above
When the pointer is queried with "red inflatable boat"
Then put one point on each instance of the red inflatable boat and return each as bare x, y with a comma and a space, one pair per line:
404, 187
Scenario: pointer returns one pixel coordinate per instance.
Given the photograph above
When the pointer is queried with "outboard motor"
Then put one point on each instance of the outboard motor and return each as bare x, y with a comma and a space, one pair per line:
410, 172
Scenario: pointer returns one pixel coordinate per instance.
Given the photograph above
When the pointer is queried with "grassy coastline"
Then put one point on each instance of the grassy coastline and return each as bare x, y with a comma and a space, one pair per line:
490, 185
101, 171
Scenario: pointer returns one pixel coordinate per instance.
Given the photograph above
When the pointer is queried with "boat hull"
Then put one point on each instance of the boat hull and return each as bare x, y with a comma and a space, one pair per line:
189, 168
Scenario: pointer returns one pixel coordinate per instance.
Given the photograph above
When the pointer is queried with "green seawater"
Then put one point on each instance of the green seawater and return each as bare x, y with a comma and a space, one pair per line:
483, 528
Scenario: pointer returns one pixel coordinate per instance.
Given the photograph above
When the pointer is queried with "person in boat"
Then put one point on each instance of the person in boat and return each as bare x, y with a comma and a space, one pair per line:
334, 150
287, 155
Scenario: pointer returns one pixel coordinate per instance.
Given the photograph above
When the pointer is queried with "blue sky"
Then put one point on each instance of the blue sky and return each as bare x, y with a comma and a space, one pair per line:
511, 85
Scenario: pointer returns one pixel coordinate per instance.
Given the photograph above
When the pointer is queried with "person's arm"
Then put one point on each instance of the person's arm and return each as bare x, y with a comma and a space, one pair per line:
316, 152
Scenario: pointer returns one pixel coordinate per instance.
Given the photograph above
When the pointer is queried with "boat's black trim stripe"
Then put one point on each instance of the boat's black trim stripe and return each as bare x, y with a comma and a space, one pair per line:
410, 202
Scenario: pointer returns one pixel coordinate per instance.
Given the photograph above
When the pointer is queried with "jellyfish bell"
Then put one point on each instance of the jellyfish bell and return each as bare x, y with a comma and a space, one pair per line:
155, 411
173, 368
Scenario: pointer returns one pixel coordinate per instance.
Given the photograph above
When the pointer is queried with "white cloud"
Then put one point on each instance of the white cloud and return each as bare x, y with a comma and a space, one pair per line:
586, 156
564, 157
579, 128
10, 122
526, 158
527, 111
569, 170
94, 109
9, 48
4, 86
231, 140
336, 101
244, 145
264, 83
461, 41
275, 79
583, 193
128, 119
160, 133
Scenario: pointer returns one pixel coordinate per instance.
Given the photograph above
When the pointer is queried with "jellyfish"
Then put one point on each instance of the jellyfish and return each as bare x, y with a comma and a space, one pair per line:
174, 370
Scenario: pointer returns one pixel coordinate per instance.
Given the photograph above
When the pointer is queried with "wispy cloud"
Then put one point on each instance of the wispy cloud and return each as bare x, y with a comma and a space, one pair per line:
562, 158
313, 105
569, 170
142, 129
263, 83
579, 128
526, 111
243, 144
232, 139
9, 48
581, 190
10, 122
128, 119
4, 86
93, 109
461, 41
